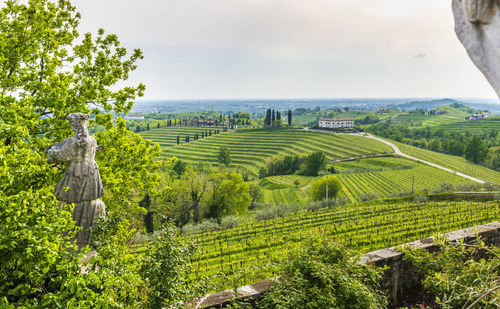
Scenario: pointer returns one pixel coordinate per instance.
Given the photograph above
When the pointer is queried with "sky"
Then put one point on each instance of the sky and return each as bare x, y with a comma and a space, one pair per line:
229, 49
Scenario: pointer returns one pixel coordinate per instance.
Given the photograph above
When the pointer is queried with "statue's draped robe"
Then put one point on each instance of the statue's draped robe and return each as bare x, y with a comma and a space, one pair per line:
81, 183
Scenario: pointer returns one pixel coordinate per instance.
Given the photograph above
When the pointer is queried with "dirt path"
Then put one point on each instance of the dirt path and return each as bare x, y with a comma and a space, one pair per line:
398, 152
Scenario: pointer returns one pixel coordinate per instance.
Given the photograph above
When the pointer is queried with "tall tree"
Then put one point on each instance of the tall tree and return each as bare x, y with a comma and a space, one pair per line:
224, 157
289, 117
48, 71
273, 116
267, 120
475, 150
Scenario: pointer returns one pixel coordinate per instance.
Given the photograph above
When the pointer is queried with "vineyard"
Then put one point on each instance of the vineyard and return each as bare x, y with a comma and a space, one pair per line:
380, 176
475, 127
241, 255
456, 163
452, 116
250, 148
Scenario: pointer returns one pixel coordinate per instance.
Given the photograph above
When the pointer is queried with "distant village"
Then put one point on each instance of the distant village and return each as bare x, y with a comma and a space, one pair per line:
479, 116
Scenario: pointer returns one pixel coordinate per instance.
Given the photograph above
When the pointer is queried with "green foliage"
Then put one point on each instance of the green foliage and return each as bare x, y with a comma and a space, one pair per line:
475, 150
229, 196
224, 157
256, 193
460, 275
324, 274
179, 167
127, 165
319, 188
166, 270
314, 163
149, 216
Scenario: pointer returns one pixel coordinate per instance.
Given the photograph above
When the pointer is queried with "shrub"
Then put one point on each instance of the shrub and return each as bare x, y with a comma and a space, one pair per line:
324, 274
319, 188
420, 198
369, 196
461, 276
229, 222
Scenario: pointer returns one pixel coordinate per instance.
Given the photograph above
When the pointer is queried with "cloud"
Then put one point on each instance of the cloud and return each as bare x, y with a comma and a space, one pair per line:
290, 48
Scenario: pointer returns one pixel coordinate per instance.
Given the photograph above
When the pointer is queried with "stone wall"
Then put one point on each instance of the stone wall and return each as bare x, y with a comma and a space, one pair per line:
402, 281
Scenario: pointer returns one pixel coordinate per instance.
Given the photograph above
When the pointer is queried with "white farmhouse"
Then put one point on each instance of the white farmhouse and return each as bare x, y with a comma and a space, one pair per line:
336, 123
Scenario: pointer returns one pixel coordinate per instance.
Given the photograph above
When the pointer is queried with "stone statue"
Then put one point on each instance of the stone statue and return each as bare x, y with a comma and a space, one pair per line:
81, 183
477, 24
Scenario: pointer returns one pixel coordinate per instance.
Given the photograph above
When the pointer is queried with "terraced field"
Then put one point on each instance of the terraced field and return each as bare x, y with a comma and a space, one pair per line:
475, 127
454, 115
167, 137
250, 148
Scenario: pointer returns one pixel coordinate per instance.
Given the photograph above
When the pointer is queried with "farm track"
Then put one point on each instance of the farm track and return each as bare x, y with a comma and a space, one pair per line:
400, 153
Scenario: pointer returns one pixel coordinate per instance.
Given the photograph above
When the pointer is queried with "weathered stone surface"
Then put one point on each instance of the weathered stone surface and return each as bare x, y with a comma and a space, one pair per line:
81, 183
477, 24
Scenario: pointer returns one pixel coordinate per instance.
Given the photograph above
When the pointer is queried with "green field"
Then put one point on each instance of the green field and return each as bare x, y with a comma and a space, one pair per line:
239, 256
251, 148
474, 127
459, 164
382, 176
453, 116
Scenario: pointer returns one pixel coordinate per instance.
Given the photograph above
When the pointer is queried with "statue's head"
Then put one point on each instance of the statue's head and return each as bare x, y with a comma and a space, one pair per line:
78, 121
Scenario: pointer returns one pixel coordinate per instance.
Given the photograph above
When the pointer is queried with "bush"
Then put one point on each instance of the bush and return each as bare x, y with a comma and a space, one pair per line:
420, 198
229, 222
461, 276
319, 187
369, 196
324, 274
207, 225
266, 214
166, 269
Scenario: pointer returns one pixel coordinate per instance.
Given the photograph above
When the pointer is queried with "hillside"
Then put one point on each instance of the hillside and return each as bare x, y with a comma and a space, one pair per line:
474, 127
251, 148
452, 115
459, 164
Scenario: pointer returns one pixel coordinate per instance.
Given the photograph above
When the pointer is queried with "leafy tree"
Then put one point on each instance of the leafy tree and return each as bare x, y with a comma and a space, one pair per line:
324, 274
319, 188
228, 197
475, 150
179, 167
48, 71
256, 193
189, 192
493, 158
224, 157
166, 270
313, 163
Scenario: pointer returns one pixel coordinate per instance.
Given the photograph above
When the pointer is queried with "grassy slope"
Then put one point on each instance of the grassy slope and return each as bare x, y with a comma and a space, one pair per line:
382, 176
475, 127
454, 115
250, 149
459, 164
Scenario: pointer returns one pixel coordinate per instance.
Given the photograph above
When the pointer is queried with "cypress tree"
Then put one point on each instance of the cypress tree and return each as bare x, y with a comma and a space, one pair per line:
147, 127
273, 117
267, 120
178, 140
289, 117
158, 125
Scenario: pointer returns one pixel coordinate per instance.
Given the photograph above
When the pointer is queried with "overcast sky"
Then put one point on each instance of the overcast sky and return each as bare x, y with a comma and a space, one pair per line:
291, 48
